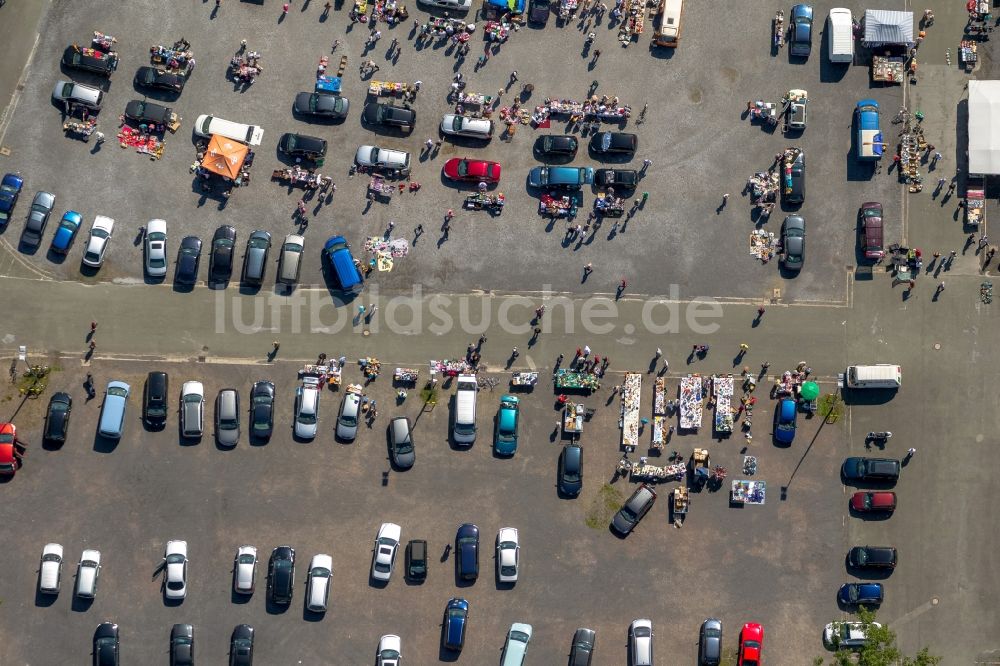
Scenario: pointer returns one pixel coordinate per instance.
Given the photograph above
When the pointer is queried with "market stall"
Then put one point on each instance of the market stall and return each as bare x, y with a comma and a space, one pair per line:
701, 464
297, 176
968, 54
384, 252
888, 68
226, 158
557, 206
609, 205
485, 201
576, 381
643, 471
103, 42
603, 108
796, 104
912, 146
524, 380
975, 202
660, 429
144, 142
245, 67
446, 27
450, 368
722, 388
389, 11
748, 492
572, 420
82, 129
889, 35
567, 8
405, 375
475, 105
763, 244
631, 402
763, 112
497, 31
328, 373
370, 366
633, 20
690, 402
660, 396
176, 59
682, 501
379, 189
391, 88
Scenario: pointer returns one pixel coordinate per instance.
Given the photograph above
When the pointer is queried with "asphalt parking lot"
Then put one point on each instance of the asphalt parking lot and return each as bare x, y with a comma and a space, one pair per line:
128, 499
693, 128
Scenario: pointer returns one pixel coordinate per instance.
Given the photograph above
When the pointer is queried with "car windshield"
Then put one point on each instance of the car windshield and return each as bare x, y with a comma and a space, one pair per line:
867, 501
293, 247
246, 558
404, 446
456, 124
374, 154
508, 570
348, 420
59, 407
519, 636
389, 654
456, 613
175, 558
873, 212
258, 242
628, 513
382, 567
117, 391
321, 572
229, 424
463, 168
192, 397
642, 632
572, 476
175, 584
98, 233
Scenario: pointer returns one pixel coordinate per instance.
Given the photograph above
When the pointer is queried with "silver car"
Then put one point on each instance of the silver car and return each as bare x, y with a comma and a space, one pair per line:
227, 417
156, 248
69, 92
710, 643
244, 570
454, 5
307, 408
192, 409
347, 420
640, 639
100, 235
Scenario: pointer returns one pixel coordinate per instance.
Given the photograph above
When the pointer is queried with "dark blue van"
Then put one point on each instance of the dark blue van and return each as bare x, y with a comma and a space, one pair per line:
784, 420
341, 263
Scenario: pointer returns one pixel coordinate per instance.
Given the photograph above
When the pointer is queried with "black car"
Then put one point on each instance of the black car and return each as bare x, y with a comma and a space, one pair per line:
609, 143
571, 470
870, 469
141, 111
416, 559
558, 145
106, 644
281, 575
182, 645
154, 398
150, 77
793, 242
872, 557
637, 506
467, 552
262, 410
387, 115
621, 179
220, 266
90, 60
188, 258
241, 646
57, 419
301, 145
317, 104
401, 447
582, 651
539, 10
38, 217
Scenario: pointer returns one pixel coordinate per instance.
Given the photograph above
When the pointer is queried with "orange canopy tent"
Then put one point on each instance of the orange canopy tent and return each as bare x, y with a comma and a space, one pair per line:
224, 156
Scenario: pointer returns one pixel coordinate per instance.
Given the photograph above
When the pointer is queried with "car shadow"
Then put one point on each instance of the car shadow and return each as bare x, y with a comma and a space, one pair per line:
275, 609
310, 615
867, 574
43, 600
104, 444
235, 597
80, 604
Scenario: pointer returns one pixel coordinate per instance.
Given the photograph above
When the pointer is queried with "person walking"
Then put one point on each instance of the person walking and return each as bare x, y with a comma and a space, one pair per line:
940, 288
587, 270
910, 452
513, 77
301, 207
93, 327
725, 198
450, 214
659, 352
514, 353
586, 351
275, 346
744, 347
100, 137
284, 9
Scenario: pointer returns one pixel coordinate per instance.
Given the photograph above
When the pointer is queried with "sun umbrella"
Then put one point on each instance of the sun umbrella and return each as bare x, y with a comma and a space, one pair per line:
809, 391
224, 156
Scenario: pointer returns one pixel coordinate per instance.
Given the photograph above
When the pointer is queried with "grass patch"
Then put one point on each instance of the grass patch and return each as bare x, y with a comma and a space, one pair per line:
607, 502
831, 407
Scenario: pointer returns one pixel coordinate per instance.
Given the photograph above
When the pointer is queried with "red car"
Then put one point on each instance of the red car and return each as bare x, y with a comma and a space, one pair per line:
751, 644
873, 502
475, 170
8, 454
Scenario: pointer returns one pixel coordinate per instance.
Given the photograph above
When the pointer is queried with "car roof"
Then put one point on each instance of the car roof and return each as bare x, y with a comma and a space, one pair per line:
321, 560
787, 408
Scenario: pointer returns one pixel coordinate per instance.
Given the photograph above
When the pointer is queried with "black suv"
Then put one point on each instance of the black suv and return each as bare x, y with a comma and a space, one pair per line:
637, 506
90, 60
301, 145
147, 112
416, 559
151, 77
262, 410
624, 179
57, 419
872, 557
154, 398
621, 143
281, 575
387, 115
870, 469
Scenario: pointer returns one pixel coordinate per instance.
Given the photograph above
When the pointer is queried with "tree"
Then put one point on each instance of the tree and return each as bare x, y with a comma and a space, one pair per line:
881, 649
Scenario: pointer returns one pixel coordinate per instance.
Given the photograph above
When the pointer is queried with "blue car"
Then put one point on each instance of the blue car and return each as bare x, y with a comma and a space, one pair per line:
562, 176
467, 552
10, 187
341, 263
800, 41
870, 142
66, 231
853, 594
784, 421
456, 618
505, 442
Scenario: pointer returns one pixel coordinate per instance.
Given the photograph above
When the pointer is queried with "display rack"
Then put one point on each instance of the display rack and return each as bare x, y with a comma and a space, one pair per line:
631, 402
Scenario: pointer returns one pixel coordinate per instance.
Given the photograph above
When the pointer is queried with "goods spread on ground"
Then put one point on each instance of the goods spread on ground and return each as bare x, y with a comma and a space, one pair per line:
748, 492
722, 386
566, 379
690, 401
631, 402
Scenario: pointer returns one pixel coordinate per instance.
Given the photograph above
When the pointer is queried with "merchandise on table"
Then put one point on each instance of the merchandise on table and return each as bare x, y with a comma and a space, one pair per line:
763, 244
631, 402
632, 21
370, 366
406, 375
975, 204
296, 175
750, 465
681, 501
524, 379
177, 59
659, 432
968, 53
766, 112
889, 69
573, 415
646, 472
600, 108
609, 205
103, 42
496, 31
690, 401
567, 7
485, 201
565, 379
660, 396
390, 88
748, 492
83, 128
563, 206
385, 251
723, 389
389, 11
450, 368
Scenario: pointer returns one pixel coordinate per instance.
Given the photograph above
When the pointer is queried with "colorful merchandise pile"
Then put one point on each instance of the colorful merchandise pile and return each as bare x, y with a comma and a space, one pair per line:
145, 143
722, 386
763, 244
384, 250
690, 400
631, 402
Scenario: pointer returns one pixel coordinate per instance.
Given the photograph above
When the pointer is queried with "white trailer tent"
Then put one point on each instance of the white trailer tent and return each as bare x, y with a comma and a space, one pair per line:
984, 128
884, 27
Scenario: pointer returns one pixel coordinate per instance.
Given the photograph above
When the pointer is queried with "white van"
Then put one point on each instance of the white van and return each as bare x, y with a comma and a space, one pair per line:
465, 409
668, 32
840, 35
207, 125
881, 376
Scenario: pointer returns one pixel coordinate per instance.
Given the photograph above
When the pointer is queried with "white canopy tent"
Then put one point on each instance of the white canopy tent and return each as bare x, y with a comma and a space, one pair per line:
984, 127
883, 26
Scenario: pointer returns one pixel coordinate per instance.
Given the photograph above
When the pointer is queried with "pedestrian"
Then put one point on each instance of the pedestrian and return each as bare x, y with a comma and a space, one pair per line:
393, 44
559, 360
622, 284
327, 6
912, 284
646, 164
361, 310
744, 347
275, 345
590, 37
765, 365
284, 9
940, 288
100, 137
588, 269
301, 208
428, 144
940, 183
450, 214
513, 77
951, 187
984, 241
937, 156
760, 312
93, 344
417, 84
392, 225
378, 34
93, 326
514, 353
725, 198
597, 54
419, 230
659, 352
910, 452
536, 332
586, 351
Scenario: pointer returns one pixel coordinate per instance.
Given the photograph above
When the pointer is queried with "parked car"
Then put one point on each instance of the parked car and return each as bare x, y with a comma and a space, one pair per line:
614, 143
57, 417
318, 582
467, 552
220, 265
846, 635
227, 417
508, 555
416, 560
386, 545
581, 653
88, 572
154, 398
539, 10
255, 257
301, 145
341, 265
467, 126
640, 642
389, 651
505, 437
65, 236
245, 570
262, 410
558, 145
516, 645
112, 419
156, 248
38, 218
100, 235
241, 646
50, 570
620, 179
800, 40
175, 563
389, 115
785, 416
870, 469
796, 192
401, 448
90, 60
453, 5
205, 126
150, 77
182, 645
382, 158
10, 189
710, 643
872, 557
793, 243
854, 594
281, 575
141, 111
871, 231
347, 419
867, 501
637, 506
870, 143
290, 259
571, 470
317, 104
464, 169
751, 645
456, 619
306, 408
562, 176
192, 409
106, 644
78, 94
188, 259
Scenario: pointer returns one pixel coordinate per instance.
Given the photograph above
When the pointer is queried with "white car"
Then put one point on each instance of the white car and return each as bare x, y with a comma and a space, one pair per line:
87, 573
318, 583
477, 128
640, 638
307, 408
382, 158
244, 570
386, 544
97, 244
508, 555
458, 5
50, 573
156, 248
846, 635
389, 651
175, 562
347, 420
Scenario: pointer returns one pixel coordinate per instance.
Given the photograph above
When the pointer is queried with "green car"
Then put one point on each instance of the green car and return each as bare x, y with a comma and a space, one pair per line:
505, 442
